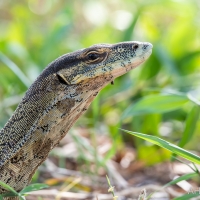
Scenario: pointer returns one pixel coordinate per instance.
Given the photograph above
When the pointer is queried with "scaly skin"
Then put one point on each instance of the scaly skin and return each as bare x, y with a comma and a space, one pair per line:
58, 97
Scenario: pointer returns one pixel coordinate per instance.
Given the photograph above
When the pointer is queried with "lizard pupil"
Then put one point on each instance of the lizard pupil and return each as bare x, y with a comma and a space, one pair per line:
93, 56
135, 46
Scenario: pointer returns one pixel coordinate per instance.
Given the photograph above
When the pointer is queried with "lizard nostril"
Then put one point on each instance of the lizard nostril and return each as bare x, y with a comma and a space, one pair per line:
135, 46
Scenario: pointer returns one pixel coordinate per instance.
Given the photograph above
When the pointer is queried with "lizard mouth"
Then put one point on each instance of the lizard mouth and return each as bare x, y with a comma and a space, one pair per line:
147, 51
141, 59
147, 54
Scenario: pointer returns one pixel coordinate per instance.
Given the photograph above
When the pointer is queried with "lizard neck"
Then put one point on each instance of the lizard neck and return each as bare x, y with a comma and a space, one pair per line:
45, 130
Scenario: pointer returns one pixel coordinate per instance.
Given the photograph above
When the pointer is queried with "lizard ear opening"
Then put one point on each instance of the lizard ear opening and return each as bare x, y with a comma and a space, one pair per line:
62, 79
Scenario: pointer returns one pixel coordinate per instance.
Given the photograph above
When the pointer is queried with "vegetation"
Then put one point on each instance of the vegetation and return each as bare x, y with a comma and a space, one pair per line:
160, 98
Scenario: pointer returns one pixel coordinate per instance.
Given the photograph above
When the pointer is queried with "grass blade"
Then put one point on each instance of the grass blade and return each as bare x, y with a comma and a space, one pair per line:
34, 187
188, 196
167, 145
166, 59
181, 178
191, 123
158, 103
7, 187
128, 34
190, 126
15, 69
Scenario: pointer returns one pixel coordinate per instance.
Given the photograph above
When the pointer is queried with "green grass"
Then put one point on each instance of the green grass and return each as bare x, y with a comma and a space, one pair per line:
21, 195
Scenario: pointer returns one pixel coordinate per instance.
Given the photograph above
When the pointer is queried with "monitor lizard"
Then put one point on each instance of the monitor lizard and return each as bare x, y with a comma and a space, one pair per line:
53, 103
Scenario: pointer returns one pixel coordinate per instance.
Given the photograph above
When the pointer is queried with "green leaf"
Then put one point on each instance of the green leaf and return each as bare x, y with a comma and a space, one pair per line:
34, 187
167, 145
188, 196
181, 178
191, 123
190, 126
166, 59
158, 103
188, 57
6, 186
128, 33
11, 194
145, 152
15, 69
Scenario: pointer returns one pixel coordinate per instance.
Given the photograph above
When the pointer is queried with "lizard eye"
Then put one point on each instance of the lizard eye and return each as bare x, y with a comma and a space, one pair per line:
93, 56
135, 46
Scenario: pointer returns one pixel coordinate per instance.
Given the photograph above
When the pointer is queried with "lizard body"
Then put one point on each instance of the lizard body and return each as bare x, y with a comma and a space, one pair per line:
57, 98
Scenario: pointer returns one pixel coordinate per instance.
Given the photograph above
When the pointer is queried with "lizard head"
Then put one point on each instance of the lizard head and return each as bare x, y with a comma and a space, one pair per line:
102, 60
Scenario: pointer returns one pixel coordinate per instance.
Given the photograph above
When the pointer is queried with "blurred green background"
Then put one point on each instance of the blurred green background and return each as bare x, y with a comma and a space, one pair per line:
164, 90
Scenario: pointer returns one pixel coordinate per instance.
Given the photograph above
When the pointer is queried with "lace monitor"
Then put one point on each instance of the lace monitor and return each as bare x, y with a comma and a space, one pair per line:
57, 98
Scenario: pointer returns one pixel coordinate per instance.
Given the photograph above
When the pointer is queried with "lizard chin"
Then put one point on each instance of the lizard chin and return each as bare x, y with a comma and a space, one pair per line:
147, 54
